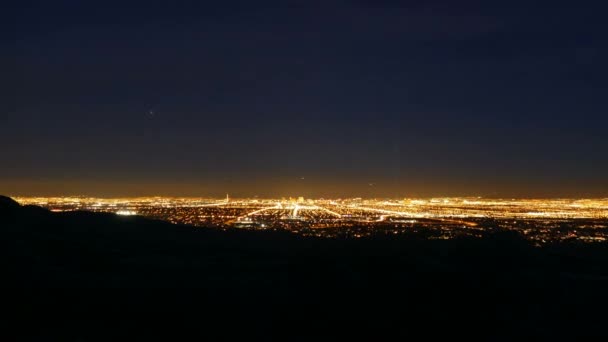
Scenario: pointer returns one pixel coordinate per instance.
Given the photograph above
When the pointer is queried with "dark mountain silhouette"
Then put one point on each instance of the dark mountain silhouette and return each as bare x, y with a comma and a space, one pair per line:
7, 204
82, 276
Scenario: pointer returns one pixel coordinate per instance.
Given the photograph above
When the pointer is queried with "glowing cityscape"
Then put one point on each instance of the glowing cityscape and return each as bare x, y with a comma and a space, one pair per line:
539, 220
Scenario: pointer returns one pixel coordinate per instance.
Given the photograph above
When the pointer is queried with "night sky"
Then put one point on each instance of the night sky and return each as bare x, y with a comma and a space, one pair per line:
304, 98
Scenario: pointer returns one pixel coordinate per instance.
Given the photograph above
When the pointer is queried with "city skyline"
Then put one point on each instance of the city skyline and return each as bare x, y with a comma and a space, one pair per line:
539, 221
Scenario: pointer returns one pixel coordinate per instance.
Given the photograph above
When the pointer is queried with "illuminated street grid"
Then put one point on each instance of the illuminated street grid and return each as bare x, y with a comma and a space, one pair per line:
541, 221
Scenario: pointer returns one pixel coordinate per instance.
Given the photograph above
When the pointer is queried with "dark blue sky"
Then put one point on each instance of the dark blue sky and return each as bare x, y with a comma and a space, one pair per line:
417, 98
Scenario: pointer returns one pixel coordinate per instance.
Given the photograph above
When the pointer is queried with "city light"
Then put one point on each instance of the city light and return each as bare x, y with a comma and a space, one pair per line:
126, 213
539, 220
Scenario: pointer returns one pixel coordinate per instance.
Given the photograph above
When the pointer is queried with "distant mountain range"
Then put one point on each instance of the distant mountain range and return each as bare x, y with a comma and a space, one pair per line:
86, 276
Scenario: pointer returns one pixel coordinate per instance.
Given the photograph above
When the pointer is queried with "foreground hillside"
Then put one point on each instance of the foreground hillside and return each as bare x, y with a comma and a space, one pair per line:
88, 276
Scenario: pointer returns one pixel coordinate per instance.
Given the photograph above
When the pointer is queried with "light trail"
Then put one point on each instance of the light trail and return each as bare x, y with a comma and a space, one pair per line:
329, 211
296, 208
384, 211
212, 205
410, 215
278, 206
